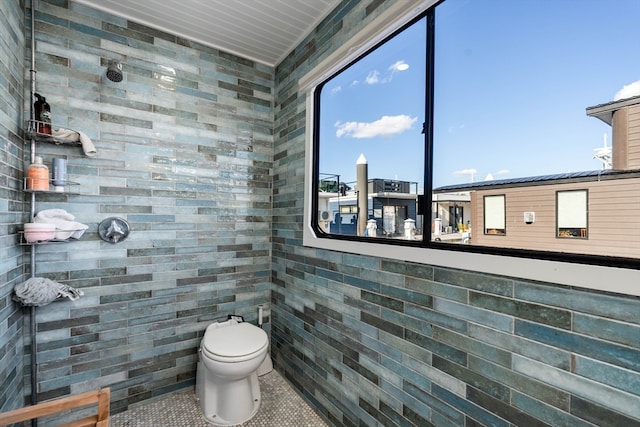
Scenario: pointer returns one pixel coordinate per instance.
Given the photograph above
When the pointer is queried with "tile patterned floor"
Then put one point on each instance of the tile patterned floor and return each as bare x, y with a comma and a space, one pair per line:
281, 407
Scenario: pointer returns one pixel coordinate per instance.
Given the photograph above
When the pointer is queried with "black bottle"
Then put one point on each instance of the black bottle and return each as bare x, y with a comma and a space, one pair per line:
42, 115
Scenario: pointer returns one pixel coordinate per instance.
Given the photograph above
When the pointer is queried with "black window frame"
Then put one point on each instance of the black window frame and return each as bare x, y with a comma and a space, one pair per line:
504, 215
572, 232
427, 131
427, 196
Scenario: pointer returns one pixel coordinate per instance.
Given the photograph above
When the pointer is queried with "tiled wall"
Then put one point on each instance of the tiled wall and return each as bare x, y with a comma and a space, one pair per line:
377, 342
185, 156
11, 200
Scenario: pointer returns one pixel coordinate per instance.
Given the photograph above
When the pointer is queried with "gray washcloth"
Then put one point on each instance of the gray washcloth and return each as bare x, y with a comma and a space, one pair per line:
39, 291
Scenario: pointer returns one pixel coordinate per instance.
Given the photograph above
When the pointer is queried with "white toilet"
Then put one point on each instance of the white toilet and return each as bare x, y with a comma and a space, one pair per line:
227, 379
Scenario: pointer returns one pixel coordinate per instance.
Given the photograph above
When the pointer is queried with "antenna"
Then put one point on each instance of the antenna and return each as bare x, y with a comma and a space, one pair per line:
471, 172
604, 154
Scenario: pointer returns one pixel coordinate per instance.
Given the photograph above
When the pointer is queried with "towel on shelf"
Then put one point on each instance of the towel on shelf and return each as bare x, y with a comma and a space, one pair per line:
66, 227
71, 136
39, 291
66, 135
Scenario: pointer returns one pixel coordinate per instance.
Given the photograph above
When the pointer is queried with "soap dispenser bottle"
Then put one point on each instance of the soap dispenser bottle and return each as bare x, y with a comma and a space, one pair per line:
42, 115
59, 174
38, 175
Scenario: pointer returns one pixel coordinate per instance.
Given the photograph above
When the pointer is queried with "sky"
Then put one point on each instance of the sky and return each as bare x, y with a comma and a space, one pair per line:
513, 80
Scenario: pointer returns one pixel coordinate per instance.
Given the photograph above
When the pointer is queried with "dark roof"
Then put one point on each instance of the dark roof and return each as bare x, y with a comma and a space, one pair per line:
605, 111
561, 178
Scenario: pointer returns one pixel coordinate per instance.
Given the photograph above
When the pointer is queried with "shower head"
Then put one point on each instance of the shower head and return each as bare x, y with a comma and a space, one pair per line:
114, 71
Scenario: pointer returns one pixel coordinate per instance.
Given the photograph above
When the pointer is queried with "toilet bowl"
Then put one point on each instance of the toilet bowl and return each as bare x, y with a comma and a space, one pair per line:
227, 380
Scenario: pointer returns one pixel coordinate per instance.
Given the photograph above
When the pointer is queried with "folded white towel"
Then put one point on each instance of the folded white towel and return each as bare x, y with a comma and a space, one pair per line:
71, 136
66, 227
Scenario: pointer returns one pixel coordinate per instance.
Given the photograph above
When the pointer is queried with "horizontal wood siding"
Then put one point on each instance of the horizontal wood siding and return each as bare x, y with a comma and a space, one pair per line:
633, 137
613, 219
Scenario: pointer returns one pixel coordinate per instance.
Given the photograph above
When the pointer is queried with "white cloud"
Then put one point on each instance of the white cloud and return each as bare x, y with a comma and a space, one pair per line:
373, 77
452, 129
628, 91
399, 66
386, 126
336, 89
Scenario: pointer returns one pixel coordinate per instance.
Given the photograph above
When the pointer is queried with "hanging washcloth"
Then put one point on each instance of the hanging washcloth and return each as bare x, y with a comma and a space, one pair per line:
71, 136
39, 291
87, 145
66, 227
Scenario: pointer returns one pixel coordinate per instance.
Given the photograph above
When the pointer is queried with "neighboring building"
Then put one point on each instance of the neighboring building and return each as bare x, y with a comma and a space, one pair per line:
390, 203
451, 212
594, 212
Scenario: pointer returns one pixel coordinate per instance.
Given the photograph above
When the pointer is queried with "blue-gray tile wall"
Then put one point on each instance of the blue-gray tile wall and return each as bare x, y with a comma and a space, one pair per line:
188, 157
12, 206
378, 342
185, 156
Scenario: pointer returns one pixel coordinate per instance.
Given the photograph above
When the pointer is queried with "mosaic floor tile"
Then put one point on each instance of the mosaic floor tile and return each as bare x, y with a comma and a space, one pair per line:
281, 407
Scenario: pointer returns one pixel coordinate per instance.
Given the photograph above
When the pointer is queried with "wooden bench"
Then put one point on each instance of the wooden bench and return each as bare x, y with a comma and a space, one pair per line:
99, 397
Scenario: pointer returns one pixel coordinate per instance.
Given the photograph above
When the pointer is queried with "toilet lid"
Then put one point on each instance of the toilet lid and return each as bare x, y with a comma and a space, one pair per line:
234, 340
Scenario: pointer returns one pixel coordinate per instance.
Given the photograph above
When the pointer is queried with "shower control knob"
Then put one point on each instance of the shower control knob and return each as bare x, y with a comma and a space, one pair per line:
113, 230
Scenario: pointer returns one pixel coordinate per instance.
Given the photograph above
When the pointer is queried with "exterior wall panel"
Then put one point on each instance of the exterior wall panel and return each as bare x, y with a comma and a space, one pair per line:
613, 223
633, 133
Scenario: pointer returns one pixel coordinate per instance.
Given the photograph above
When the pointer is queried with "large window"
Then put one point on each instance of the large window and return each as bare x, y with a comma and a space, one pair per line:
571, 213
469, 98
494, 214
369, 124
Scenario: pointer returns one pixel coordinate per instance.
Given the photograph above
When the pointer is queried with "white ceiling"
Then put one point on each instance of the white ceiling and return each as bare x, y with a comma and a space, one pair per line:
262, 30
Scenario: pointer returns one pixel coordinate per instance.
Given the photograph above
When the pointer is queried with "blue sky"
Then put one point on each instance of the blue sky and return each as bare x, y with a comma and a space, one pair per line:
510, 98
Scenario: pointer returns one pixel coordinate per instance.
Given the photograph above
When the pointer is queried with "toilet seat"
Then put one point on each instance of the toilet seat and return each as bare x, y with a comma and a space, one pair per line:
234, 343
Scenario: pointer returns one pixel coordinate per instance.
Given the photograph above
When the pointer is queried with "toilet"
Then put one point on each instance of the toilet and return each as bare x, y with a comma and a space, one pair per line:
227, 384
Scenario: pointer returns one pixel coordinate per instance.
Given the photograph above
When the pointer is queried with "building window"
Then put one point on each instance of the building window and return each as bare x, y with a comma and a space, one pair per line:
494, 215
369, 128
572, 214
440, 109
